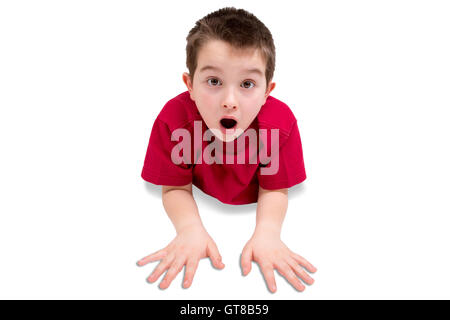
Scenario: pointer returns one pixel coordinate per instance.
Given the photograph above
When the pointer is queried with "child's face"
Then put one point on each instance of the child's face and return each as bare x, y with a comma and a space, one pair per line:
228, 89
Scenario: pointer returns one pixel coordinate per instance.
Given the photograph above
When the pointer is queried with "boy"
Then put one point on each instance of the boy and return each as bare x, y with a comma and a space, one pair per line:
231, 60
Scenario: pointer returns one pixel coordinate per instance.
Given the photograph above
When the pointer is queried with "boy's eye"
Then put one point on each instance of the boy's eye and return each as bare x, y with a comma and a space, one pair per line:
248, 82
213, 79
214, 82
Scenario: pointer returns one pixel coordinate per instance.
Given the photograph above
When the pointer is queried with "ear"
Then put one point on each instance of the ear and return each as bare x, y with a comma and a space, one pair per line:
269, 89
188, 82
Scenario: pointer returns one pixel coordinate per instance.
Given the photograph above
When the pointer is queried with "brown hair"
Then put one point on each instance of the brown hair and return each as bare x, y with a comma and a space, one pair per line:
239, 28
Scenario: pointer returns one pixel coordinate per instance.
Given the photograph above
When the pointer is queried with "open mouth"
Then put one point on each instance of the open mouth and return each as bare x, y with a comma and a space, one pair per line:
228, 123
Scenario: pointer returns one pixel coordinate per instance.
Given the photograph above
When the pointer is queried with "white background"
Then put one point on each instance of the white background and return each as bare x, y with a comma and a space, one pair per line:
81, 83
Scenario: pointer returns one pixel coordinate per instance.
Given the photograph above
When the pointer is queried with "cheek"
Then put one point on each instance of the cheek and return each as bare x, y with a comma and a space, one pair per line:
249, 111
207, 106
205, 96
253, 102
208, 101
209, 98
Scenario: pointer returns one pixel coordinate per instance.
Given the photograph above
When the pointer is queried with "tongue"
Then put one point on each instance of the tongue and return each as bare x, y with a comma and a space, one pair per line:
228, 123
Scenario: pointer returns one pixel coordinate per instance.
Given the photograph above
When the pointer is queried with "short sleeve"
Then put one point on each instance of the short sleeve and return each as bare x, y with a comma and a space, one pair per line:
291, 168
158, 166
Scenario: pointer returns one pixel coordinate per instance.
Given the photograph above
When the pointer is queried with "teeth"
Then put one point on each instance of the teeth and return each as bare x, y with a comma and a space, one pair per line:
228, 123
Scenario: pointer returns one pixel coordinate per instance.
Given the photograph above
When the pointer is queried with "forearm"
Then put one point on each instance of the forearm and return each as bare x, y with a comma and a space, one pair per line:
271, 210
181, 209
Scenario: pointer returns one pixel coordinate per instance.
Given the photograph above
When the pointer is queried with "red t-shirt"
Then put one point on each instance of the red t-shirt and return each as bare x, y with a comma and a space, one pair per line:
231, 183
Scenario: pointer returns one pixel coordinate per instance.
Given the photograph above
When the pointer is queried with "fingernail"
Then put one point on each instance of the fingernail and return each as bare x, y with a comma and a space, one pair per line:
186, 283
273, 288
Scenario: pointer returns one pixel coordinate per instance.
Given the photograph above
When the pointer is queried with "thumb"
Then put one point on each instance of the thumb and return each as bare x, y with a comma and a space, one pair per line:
246, 260
214, 255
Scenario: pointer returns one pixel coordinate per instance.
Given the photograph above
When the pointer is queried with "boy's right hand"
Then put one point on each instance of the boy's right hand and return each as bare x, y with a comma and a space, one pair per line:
189, 246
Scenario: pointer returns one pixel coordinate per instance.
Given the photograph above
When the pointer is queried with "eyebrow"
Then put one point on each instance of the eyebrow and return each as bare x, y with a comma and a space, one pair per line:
254, 70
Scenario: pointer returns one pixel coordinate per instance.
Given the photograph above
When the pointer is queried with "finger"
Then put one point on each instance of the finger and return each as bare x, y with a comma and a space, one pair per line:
300, 271
285, 270
174, 269
303, 262
158, 255
246, 260
269, 276
191, 267
213, 253
160, 268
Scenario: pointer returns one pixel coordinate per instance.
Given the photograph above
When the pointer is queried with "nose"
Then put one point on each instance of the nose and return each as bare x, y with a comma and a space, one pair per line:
230, 101
229, 106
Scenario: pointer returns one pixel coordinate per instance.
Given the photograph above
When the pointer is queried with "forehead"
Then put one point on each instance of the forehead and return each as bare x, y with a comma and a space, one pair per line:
219, 56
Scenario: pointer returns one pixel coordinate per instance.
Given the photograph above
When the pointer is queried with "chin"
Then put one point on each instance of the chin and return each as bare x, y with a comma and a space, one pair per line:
222, 136
228, 138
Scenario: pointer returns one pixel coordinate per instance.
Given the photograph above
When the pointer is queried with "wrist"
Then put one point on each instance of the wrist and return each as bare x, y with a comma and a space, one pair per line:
267, 230
195, 226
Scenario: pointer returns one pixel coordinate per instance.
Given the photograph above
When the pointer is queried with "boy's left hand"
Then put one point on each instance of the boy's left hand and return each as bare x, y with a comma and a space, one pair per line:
267, 249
